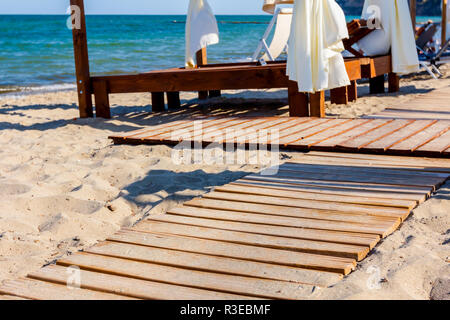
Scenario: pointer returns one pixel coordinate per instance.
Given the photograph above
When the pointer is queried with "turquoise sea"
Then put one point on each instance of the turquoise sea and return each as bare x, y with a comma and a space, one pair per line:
36, 51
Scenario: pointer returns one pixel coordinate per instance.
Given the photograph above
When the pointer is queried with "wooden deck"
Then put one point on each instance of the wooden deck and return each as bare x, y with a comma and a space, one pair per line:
434, 105
274, 237
384, 136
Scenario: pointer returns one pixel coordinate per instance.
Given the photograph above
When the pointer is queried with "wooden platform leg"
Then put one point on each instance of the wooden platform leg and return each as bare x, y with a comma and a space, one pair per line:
377, 85
317, 104
80, 47
352, 91
394, 82
102, 109
173, 100
202, 59
298, 101
158, 102
339, 95
215, 93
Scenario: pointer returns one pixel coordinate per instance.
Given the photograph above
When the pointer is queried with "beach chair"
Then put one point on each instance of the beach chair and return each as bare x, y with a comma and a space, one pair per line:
282, 20
357, 29
427, 56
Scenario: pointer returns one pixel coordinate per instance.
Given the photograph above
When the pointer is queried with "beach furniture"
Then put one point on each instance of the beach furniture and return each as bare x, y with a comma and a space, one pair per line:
283, 236
210, 79
281, 20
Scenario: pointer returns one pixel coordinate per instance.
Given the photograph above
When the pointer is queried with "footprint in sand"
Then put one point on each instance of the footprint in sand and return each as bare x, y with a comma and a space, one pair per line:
12, 189
56, 204
51, 223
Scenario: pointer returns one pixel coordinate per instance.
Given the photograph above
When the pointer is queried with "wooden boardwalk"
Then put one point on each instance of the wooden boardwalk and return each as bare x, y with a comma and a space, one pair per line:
429, 138
434, 105
263, 236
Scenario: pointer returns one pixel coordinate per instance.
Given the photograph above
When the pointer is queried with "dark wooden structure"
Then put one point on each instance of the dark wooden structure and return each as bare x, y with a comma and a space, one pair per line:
285, 236
209, 79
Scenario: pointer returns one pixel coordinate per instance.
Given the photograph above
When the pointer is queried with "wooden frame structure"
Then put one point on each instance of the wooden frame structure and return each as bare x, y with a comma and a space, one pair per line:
209, 79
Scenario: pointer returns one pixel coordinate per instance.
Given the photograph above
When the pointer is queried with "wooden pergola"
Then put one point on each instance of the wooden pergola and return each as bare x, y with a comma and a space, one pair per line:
211, 78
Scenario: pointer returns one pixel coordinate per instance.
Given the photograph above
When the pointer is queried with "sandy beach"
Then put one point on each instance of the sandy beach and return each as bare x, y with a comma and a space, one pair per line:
64, 186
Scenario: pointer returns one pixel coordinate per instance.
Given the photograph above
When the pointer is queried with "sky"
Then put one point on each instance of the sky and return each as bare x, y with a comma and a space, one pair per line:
128, 6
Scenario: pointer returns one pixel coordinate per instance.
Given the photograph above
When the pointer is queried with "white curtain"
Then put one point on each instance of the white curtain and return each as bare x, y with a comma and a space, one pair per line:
315, 45
396, 34
201, 29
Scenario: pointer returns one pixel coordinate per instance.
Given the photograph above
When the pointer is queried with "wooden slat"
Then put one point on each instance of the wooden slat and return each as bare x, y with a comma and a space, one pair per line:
286, 211
406, 161
439, 145
405, 165
423, 137
329, 190
401, 181
383, 173
225, 265
359, 142
346, 185
238, 251
391, 136
299, 203
333, 132
359, 130
276, 242
353, 238
130, 287
380, 229
40, 290
216, 282
7, 297
314, 196
295, 139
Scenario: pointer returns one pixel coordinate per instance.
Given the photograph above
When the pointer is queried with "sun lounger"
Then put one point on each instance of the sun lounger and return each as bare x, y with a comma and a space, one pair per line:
282, 21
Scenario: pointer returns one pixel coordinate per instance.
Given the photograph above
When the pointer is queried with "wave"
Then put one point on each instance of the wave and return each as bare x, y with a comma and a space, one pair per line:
9, 91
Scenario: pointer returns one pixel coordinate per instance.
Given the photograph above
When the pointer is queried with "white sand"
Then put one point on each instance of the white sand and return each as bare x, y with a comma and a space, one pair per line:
64, 187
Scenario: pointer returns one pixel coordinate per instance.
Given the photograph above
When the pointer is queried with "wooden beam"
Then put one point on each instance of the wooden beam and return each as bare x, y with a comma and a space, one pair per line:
298, 101
444, 21
413, 7
173, 100
339, 95
202, 59
102, 109
247, 77
376, 85
352, 90
82, 61
317, 104
394, 82
158, 102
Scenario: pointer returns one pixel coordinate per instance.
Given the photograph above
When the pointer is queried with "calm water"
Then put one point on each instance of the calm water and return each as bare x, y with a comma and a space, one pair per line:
36, 51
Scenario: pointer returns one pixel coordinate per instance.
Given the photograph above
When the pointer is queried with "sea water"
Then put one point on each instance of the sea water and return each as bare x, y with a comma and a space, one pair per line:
36, 52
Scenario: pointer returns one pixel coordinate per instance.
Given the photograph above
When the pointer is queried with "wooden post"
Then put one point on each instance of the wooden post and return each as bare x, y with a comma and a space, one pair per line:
339, 95
158, 102
352, 90
102, 109
80, 48
202, 59
317, 104
173, 100
412, 8
298, 101
394, 82
377, 85
444, 22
